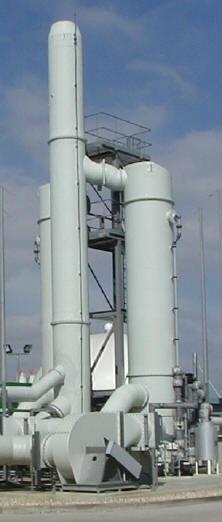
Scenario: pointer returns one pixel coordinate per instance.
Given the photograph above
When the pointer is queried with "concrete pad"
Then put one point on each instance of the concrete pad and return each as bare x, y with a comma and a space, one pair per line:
171, 489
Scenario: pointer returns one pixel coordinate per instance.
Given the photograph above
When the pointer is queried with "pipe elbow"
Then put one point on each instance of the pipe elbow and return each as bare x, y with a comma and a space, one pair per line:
104, 174
54, 378
126, 398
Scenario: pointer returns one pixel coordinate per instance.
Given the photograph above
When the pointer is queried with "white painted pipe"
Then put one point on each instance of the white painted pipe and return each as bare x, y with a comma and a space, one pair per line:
127, 397
15, 450
217, 420
45, 279
104, 174
23, 393
70, 314
150, 297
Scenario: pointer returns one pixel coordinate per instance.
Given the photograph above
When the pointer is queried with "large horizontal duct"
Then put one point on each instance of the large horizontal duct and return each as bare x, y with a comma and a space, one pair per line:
104, 174
15, 450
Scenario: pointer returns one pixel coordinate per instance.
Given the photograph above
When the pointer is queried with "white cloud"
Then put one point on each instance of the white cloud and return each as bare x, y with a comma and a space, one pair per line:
22, 275
21, 214
103, 18
195, 163
150, 115
25, 116
167, 72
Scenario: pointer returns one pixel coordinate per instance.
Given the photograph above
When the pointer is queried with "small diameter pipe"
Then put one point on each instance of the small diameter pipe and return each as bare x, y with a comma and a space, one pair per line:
126, 398
37, 390
45, 279
175, 219
104, 174
174, 405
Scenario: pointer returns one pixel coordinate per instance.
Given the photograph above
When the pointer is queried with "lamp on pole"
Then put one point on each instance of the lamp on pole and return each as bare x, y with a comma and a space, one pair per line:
26, 351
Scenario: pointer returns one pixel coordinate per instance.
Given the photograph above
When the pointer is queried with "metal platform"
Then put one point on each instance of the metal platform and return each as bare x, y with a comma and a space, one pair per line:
117, 140
105, 239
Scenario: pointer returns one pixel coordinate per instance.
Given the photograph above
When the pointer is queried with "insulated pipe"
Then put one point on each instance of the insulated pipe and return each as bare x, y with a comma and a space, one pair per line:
217, 420
174, 405
125, 398
70, 314
21, 393
15, 450
45, 279
104, 174
150, 293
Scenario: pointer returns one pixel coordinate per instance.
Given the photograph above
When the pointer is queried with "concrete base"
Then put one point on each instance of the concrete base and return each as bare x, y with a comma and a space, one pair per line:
172, 489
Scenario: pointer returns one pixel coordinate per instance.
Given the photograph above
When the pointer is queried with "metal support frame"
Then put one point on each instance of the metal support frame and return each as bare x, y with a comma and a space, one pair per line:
112, 240
36, 465
118, 295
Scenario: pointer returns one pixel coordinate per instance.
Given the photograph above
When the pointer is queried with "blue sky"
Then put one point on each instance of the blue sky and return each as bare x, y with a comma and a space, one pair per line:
154, 62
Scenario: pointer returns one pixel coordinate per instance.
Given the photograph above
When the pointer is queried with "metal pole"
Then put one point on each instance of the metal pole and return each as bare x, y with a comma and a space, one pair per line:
219, 195
118, 319
18, 366
118, 294
2, 310
195, 366
175, 306
203, 308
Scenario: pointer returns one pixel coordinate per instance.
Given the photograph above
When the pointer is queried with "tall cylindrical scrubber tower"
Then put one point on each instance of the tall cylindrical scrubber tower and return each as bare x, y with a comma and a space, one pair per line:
150, 301
70, 315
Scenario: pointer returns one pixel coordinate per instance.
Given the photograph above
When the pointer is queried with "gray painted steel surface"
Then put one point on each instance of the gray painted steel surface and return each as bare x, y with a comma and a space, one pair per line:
45, 278
70, 315
150, 300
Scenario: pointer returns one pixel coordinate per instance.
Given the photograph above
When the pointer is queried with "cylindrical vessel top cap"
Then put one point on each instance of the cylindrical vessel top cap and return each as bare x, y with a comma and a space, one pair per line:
63, 26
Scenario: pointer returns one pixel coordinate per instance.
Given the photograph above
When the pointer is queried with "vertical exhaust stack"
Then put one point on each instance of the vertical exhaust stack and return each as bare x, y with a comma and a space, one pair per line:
70, 314
150, 298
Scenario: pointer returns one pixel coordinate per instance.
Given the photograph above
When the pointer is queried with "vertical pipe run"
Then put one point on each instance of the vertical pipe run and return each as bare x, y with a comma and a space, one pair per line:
46, 279
70, 315
118, 292
118, 319
175, 307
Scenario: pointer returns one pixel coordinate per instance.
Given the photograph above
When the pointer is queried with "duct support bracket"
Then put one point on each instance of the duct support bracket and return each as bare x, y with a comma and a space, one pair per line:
124, 459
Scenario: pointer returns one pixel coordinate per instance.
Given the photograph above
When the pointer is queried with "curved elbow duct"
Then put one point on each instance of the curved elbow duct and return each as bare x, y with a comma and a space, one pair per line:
37, 390
61, 405
126, 398
104, 174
